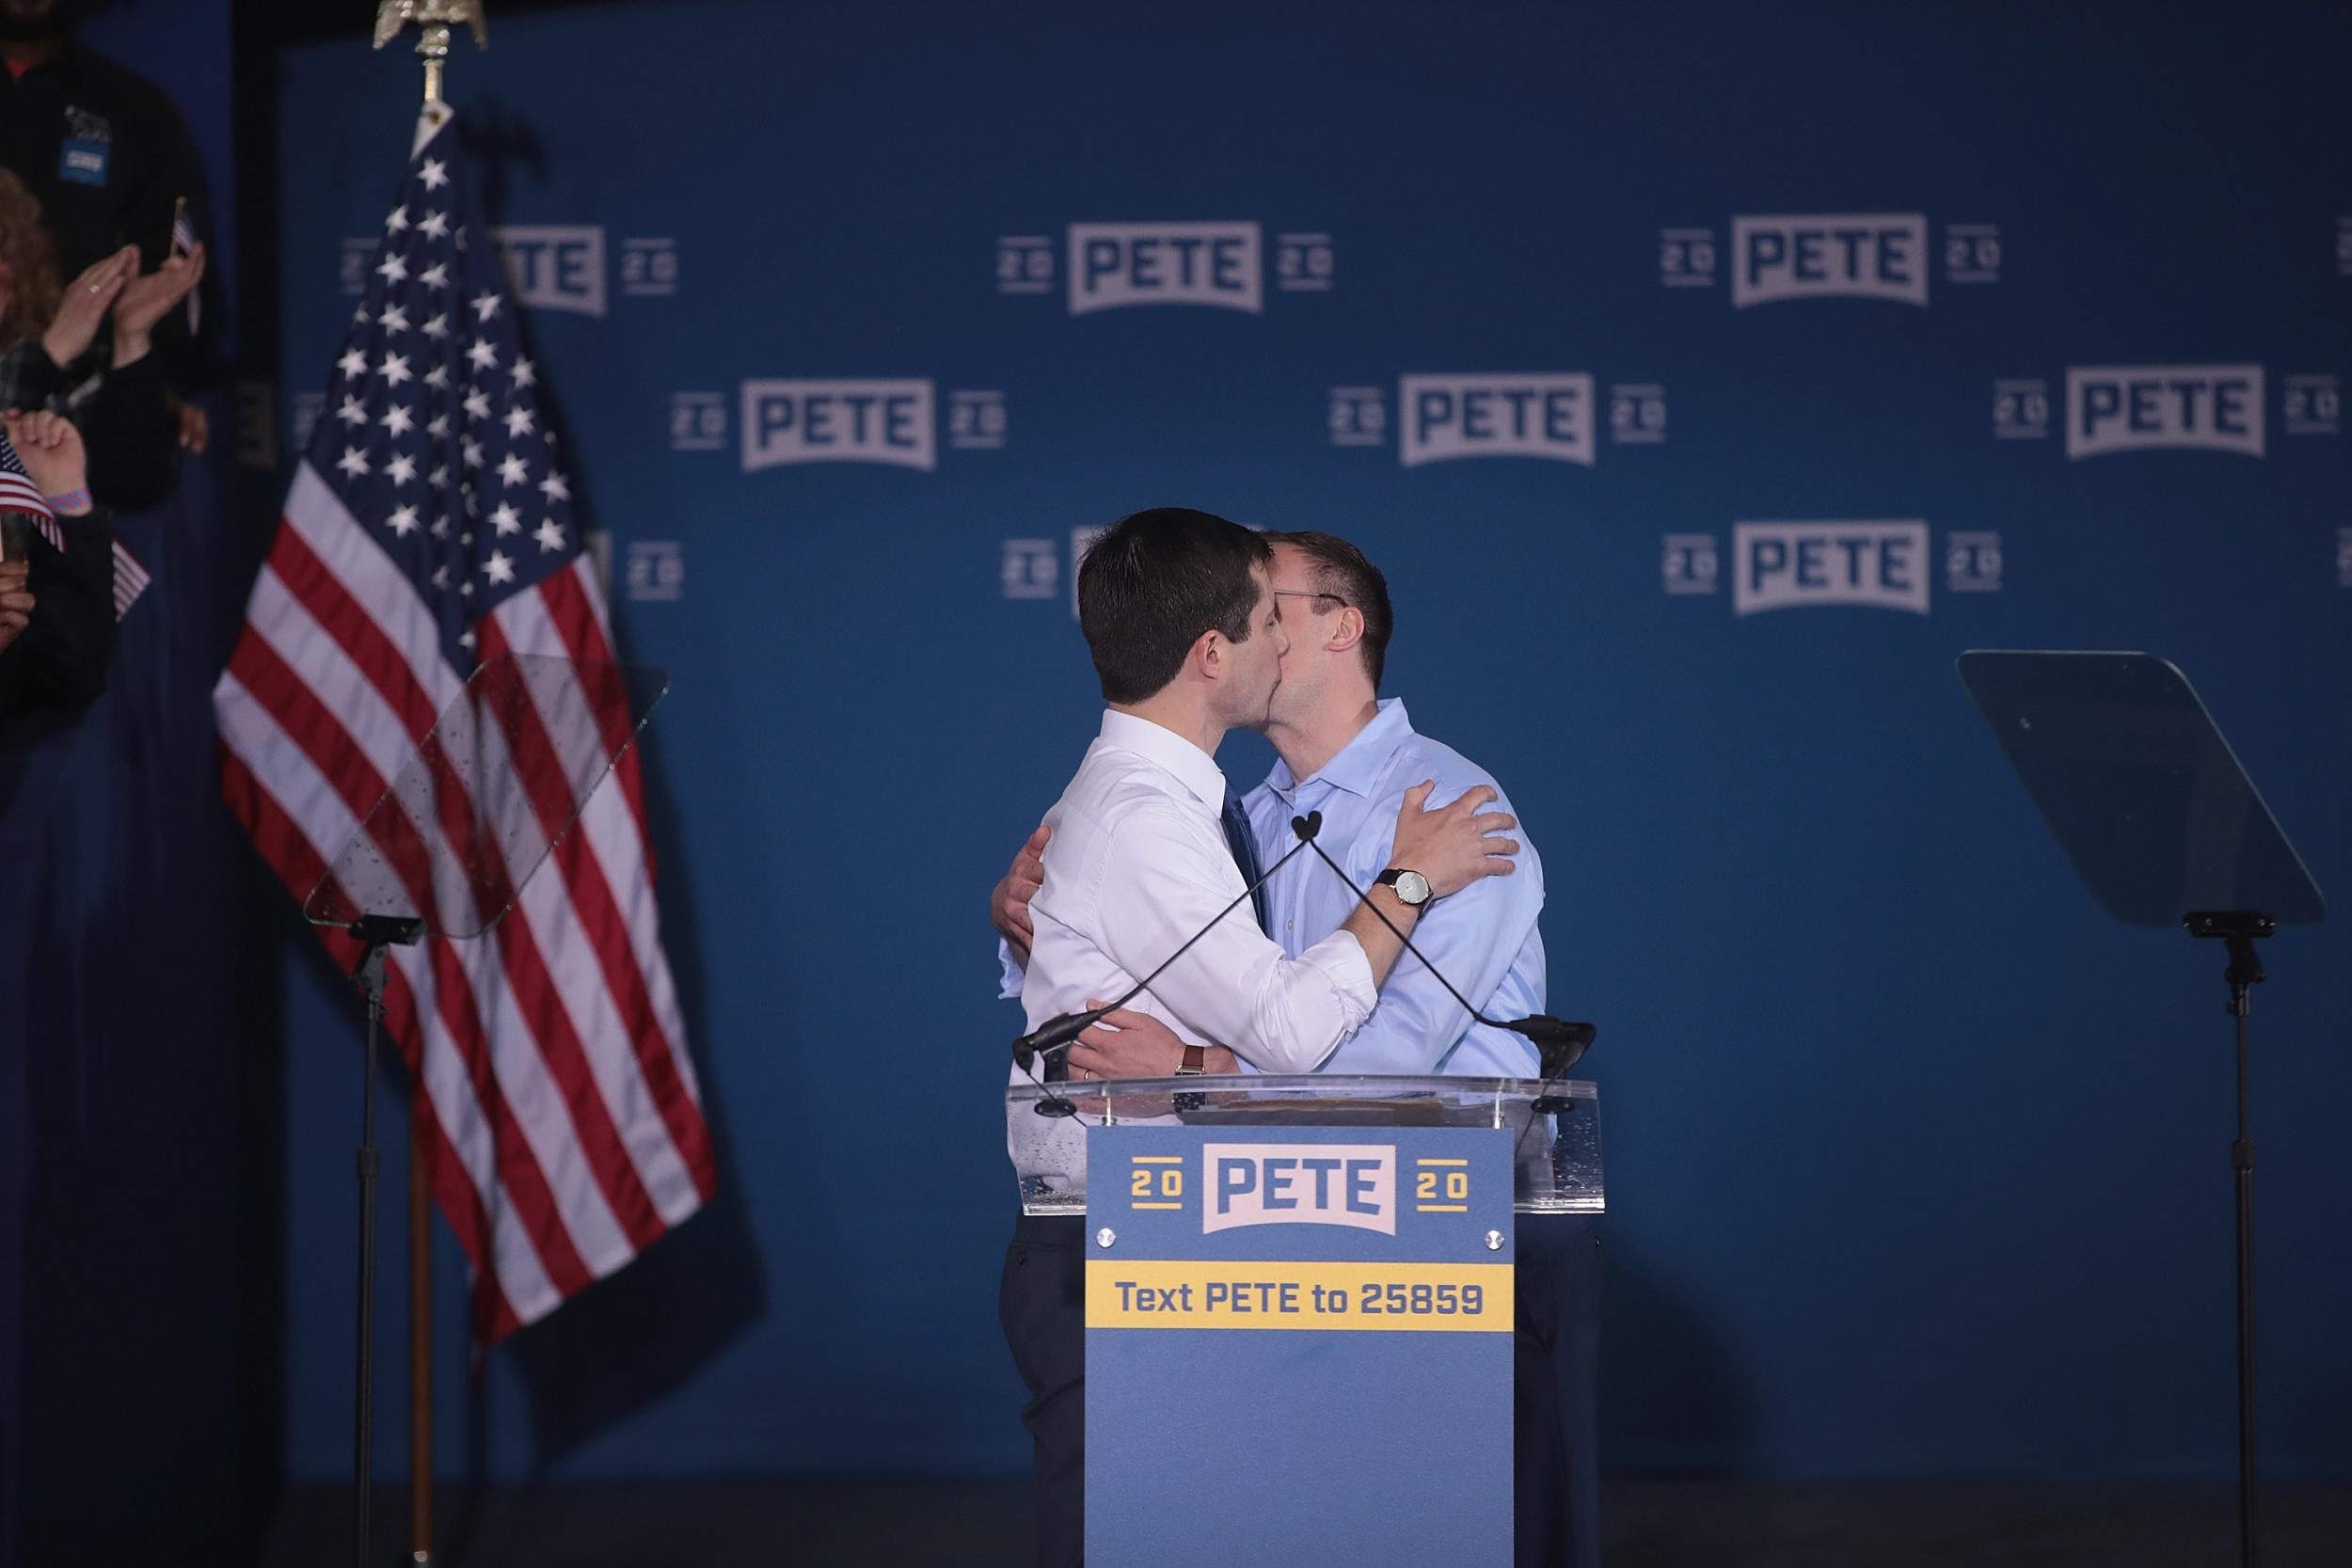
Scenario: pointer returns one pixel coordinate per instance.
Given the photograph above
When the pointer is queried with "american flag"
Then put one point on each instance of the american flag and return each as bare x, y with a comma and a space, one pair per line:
430, 527
131, 580
17, 492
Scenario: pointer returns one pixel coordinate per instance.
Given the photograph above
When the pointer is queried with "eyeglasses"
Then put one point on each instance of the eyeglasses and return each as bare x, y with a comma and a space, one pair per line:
1305, 593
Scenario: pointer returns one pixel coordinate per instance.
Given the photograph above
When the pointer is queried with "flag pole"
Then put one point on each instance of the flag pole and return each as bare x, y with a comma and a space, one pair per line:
433, 18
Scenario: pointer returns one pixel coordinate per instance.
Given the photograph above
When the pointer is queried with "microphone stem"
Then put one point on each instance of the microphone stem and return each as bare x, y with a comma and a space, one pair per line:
1382, 915
1135, 989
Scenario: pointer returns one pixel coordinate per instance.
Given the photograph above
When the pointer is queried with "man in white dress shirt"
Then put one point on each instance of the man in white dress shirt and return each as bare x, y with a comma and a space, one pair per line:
1187, 636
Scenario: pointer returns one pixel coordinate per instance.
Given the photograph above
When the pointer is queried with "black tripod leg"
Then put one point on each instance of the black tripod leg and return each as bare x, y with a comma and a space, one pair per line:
2242, 1170
372, 979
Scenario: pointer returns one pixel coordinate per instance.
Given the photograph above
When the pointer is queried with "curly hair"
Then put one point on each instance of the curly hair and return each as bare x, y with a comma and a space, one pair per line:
28, 264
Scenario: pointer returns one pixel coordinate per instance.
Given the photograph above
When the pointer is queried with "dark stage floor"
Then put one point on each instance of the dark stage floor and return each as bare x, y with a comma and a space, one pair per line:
1646, 1523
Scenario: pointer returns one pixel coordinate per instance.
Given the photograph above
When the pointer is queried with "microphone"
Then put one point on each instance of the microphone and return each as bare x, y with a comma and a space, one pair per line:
1060, 1032
1560, 1043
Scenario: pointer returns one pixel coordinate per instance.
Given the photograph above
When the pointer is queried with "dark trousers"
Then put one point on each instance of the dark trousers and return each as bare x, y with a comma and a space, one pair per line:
1556, 1479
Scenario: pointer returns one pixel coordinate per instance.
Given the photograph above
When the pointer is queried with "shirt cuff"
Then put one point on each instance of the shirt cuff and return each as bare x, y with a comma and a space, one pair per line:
1011, 974
1340, 958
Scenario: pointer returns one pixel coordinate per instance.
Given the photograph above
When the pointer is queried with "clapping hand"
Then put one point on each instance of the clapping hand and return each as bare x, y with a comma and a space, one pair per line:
85, 304
146, 300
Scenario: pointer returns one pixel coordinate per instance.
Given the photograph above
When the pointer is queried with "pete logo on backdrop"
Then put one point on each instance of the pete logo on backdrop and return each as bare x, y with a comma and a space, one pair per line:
561, 267
1351, 1184
1858, 255
1791, 256
1873, 563
838, 421
1783, 565
2122, 408
1553, 415
552, 266
1219, 264
1496, 416
1165, 264
867, 420
2112, 408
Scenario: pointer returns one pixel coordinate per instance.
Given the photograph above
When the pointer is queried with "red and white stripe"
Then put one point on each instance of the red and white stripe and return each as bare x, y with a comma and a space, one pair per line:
131, 579
562, 1105
17, 492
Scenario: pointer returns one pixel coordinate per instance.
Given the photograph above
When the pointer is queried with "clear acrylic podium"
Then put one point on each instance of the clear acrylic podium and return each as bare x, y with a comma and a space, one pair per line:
1307, 1288
1556, 1156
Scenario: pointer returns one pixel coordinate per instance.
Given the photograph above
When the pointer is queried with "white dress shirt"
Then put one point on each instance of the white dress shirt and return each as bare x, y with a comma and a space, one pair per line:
1138, 863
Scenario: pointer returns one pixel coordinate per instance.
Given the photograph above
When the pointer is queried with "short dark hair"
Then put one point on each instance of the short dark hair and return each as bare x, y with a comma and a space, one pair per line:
1349, 574
1153, 583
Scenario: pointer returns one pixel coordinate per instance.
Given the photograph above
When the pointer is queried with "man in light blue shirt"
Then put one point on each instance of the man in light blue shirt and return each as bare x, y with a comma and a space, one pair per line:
1483, 938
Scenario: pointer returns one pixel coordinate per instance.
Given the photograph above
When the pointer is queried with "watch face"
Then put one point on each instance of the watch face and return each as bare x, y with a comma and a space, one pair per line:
1412, 887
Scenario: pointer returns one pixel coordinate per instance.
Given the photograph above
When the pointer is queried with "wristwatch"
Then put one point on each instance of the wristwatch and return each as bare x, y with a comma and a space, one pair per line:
1196, 1062
1412, 888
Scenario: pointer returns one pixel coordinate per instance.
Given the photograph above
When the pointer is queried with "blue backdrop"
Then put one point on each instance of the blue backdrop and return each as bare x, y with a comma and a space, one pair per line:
1916, 1161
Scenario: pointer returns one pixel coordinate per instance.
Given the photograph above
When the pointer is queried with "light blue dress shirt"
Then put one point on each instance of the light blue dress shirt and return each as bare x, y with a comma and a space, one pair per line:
1484, 938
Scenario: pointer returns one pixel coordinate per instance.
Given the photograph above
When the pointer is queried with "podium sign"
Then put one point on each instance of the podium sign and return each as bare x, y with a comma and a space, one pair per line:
1299, 1345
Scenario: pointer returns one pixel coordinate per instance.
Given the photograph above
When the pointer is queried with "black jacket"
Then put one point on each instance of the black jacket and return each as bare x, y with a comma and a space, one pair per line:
124, 412
60, 660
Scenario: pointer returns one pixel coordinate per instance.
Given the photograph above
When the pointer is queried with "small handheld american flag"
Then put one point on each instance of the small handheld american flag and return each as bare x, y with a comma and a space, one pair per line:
17, 492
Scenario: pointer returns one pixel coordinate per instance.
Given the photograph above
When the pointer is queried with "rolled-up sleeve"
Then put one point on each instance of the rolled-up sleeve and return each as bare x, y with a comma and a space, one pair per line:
1474, 938
1234, 986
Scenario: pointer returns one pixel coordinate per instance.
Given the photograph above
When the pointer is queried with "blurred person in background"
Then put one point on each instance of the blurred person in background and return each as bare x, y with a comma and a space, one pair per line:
88, 351
111, 163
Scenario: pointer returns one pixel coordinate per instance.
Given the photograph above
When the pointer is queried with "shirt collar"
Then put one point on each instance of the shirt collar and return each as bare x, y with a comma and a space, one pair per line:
1194, 768
1359, 765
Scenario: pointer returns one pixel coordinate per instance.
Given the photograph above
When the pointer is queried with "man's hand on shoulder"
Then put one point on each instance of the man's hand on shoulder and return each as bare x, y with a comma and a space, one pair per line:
1128, 1044
1008, 905
1456, 844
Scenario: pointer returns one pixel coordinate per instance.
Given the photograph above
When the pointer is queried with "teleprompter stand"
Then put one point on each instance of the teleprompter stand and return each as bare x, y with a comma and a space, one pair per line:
472, 815
2164, 829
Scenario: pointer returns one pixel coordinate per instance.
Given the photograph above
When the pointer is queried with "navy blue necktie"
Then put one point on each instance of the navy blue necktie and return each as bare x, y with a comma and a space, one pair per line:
1243, 845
